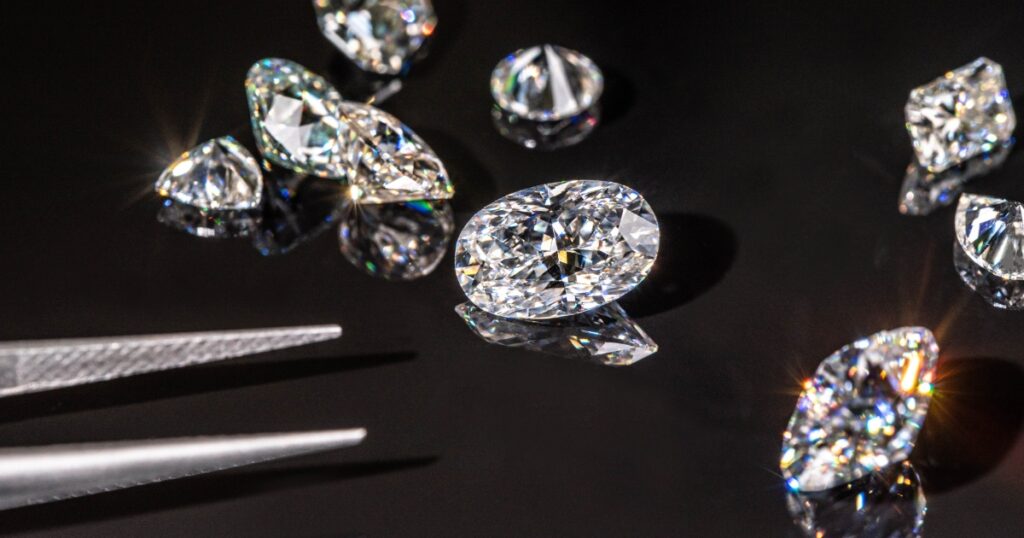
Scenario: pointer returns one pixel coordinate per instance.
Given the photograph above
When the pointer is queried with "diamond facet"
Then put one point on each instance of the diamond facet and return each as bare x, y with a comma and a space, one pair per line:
605, 335
886, 504
217, 175
401, 241
386, 162
862, 410
557, 250
924, 191
295, 117
991, 232
962, 114
546, 83
381, 36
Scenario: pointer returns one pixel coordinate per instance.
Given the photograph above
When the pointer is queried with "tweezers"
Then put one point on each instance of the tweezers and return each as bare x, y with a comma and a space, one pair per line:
32, 366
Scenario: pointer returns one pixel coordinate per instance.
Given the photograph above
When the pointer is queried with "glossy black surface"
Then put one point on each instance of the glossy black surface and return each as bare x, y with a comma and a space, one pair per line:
770, 139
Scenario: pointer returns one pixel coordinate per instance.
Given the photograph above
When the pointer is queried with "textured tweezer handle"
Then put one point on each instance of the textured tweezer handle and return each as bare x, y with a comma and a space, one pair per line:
46, 364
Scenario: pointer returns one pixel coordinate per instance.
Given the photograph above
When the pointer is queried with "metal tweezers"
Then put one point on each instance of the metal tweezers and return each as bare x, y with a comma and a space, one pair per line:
31, 475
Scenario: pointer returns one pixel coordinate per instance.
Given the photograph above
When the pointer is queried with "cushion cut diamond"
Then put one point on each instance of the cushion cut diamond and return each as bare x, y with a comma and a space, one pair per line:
381, 36
960, 115
557, 250
862, 410
217, 175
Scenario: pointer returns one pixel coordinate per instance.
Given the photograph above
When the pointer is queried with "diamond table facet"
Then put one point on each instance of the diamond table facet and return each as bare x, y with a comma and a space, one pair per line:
557, 250
386, 162
960, 115
546, 83
382, 36
862, 410
295, 117
606, 335
217, 175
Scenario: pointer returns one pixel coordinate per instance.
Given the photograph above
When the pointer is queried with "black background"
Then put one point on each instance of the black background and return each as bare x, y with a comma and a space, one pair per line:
770, 141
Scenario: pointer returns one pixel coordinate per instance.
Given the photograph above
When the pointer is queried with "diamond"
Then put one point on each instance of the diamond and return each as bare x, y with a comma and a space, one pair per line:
557, 250
991, 232
401, 241
887, 504
924, 191
381, 36
546, 83
606, 335
862, 410
962, 114
218, 174
386, 162
1004, 293
295, 117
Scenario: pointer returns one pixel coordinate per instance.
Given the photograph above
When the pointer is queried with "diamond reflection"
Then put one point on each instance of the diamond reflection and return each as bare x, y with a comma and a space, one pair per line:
546, 135
606, 335
297, 208
207, 223
886, 504
1004, 293
401, 241
924, 191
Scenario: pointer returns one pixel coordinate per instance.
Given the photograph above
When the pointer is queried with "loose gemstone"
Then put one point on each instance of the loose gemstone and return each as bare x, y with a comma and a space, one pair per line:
1004, 293
606, 335
862, 410
886, 504
960, 115
400, 241
386, 162
204, 223
925, 191
546, 83
295, 117
557, 250
991, 232
217, 175
381, 36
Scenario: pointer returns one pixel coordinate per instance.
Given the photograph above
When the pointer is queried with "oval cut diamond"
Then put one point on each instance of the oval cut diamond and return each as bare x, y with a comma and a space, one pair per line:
546, 83
991, 232
862, 410
557, 250
295, 117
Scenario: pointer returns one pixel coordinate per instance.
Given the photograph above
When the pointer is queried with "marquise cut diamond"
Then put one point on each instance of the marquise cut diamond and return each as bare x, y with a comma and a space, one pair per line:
381, 36
557, 250
862, 411
217, 175
386, 162
295, 117
960, 115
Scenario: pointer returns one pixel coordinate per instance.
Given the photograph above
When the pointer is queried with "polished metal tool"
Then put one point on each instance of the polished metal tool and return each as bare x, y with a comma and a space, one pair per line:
32, 366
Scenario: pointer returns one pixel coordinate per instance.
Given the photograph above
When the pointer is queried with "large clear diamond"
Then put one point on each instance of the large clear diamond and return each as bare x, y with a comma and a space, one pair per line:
925, 191
402, 241
991, 232
962, 114
886, 504
386, 162
381, 36
546, 82
606, 335
862, 410
295, 117
557, 250
217, 175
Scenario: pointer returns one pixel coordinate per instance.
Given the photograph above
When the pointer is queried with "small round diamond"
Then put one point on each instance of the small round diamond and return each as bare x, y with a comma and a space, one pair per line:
546, 83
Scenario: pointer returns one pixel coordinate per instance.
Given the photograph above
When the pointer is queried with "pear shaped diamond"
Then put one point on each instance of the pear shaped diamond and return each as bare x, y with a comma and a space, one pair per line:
217, 175
546, 83
991, 232
557, 250
386, 162
295, 117
862, 410
381, 36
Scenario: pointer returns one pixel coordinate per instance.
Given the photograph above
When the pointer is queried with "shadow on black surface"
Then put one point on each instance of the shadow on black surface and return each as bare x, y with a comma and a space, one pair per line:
973, 422
696, 252
618, 98
184, 381
192, 491
474, 185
